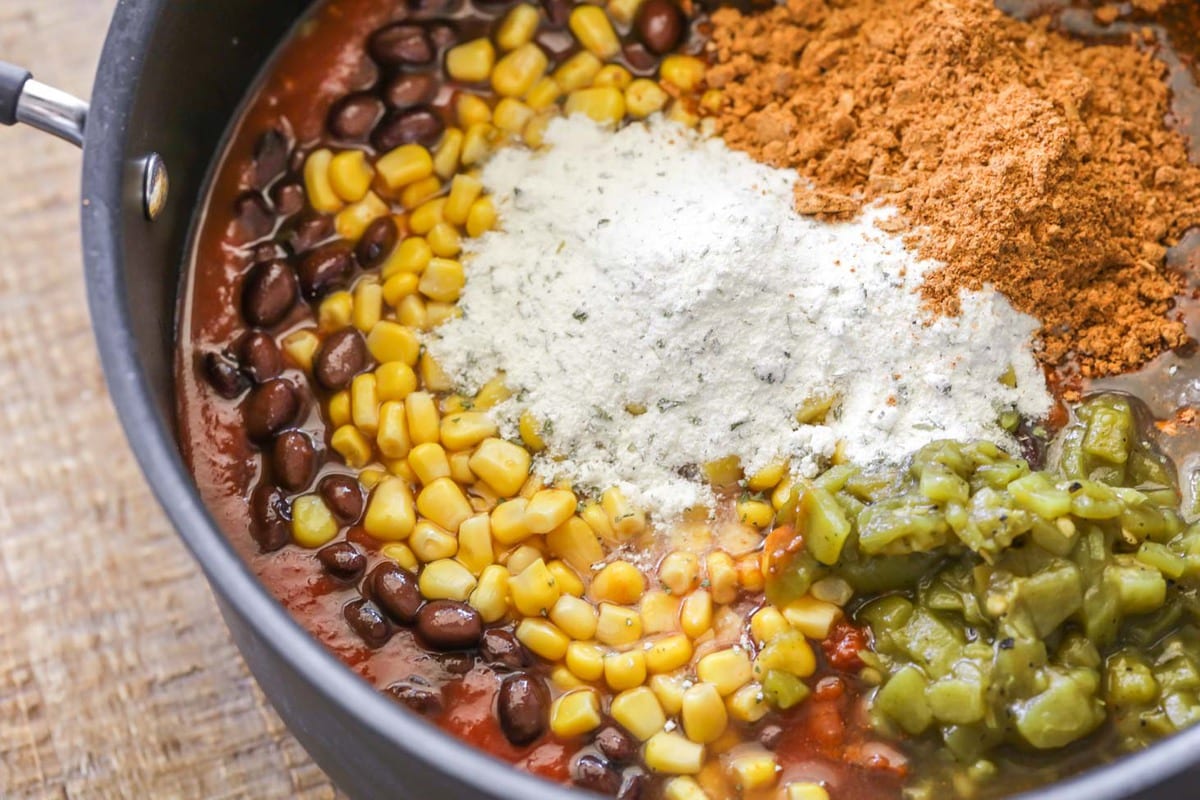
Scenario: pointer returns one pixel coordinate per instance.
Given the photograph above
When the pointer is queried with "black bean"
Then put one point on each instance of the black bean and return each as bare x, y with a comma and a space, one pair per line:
327, 267
288, 198
224, 375
269, 293
253, 216
616, 744
271, 153
500, 648
522, 705
659, 25
595, 774
421, 698
635, 785
557, 11
395, 590
443, 35
353, 117
640, 60
343, 496
264, 252
259, 356
770, 735
377, 242
309, 233
293, 460
269, 523
269, 408
340, 357
368, 622
401, 44
449, 625
420, 124
342, 560
456, 663
409, 89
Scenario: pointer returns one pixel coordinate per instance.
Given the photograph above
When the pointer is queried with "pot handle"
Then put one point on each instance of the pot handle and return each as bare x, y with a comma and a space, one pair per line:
22, 99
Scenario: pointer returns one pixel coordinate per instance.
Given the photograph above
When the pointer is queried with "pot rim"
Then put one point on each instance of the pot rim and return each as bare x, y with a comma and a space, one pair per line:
105, 194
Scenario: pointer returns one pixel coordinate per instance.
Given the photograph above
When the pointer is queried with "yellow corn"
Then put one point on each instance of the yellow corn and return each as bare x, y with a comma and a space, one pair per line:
727, 670
543, 638
398, 287
669, 690
350, 443
523, 556
404, 165
623, 12
618, 582
617, 625
426, 215
812, 617
575, 713
429, 462
660, 612
321, 195
678, 112
313, 524
703, 713
411, 255
350, 175
511, 115
534, 133
679, 571
673, 754
803, 790
335, 311
519, 70
431, 543
639, 712
300, 347
471, 61
754, 769
531, 432
695, 613
464, 191
712, 100
683, 72
444, 502
448, 152
534, 592
339, 409
460, 469
754, 512
669, 654
466, 429
585, 660
766, 624
576, 617
423, 424
683, 788
544, 94
750, 574
418, 192
401, 554
722, 577
390, 514
593, 30
412, 312
625, 670
564, 679
549, 509
490, 597
768, 477
567, 580
392, 437
644, 97
352, 221
478, 143
433, 377
471, 110
508, 522
626, 521
395, 380
502, 465
370, 478
400, 468
603, 104
748, 704
613, 75
446, 579
788, 651
475, 544
518, 27
368, 304
596, 518
444, 240
364, 403
574, 542
482, 217
577, 71
442, 280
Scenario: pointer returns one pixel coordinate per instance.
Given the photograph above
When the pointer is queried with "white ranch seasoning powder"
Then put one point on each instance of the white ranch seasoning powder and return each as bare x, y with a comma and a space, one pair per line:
653, 267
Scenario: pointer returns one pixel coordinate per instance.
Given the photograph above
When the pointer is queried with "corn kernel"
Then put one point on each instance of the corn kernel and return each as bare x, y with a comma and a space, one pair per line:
626, 521
390, 515
597, 519
766, 624
683, 72
565, 680
812, 617
585, 660
768, 477
335, 311
478, 143
350, 175
576, 617
425, 216
460, 469
444, 240
549, 509
593, 30
392, 437
464, 191
321, 195
400, 468
446, 579
492, 393
423, 424
471, 61
517, 72
669, 654
411, 255
543, 638
695, 613
660, 612
722, 577
523, 556
433, 377
300, 347
789, 652
803, 790
352, 221
625, 670
503, 465
618, 582
466, 429
448, 152
395, 380
364, 403
350, 443
574, 542
703, 714
518, 27
623, 12
679, 113
430, 542
339, 409
511, 115
673, 754
577, 71
748, 704
475, 544
313, 524
644, 97
567, 580
683, 788
639, 712
404, 165
482, 217
754, 512
754, 769
603, 104
429, 462
420, 191
613, 75
471, 110
750, 574
443, 502
370, 478
401, 554
508, 522
490, 597
412, 312
534, 592
544, 94
618, 625
442, 280
727, 670
368, 304
679, 571
575, 713
669, 690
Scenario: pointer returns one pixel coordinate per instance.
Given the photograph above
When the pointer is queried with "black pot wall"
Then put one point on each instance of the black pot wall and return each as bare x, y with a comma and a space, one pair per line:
171, 77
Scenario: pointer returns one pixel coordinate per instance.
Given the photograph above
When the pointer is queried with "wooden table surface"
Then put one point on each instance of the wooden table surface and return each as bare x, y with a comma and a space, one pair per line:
117, 676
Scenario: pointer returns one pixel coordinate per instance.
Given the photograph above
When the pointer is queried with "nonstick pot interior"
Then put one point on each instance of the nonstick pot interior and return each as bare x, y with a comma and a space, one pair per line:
170, 80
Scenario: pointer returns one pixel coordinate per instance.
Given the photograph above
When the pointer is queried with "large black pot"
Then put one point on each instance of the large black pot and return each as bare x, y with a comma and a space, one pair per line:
170, 80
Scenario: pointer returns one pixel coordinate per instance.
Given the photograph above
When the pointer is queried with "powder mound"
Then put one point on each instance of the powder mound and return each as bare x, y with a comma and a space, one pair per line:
1015, 156
654, 299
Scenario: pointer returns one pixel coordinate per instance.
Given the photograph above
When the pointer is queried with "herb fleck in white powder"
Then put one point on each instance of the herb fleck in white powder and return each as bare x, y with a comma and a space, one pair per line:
650, 267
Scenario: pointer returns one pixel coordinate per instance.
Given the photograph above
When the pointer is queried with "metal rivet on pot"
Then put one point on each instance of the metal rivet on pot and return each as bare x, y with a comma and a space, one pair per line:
155, 185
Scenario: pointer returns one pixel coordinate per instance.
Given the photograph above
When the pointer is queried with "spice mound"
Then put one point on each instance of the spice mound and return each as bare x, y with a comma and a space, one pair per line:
1016, 156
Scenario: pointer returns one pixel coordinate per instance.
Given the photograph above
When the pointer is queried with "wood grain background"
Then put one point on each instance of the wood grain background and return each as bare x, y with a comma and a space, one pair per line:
117, 677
